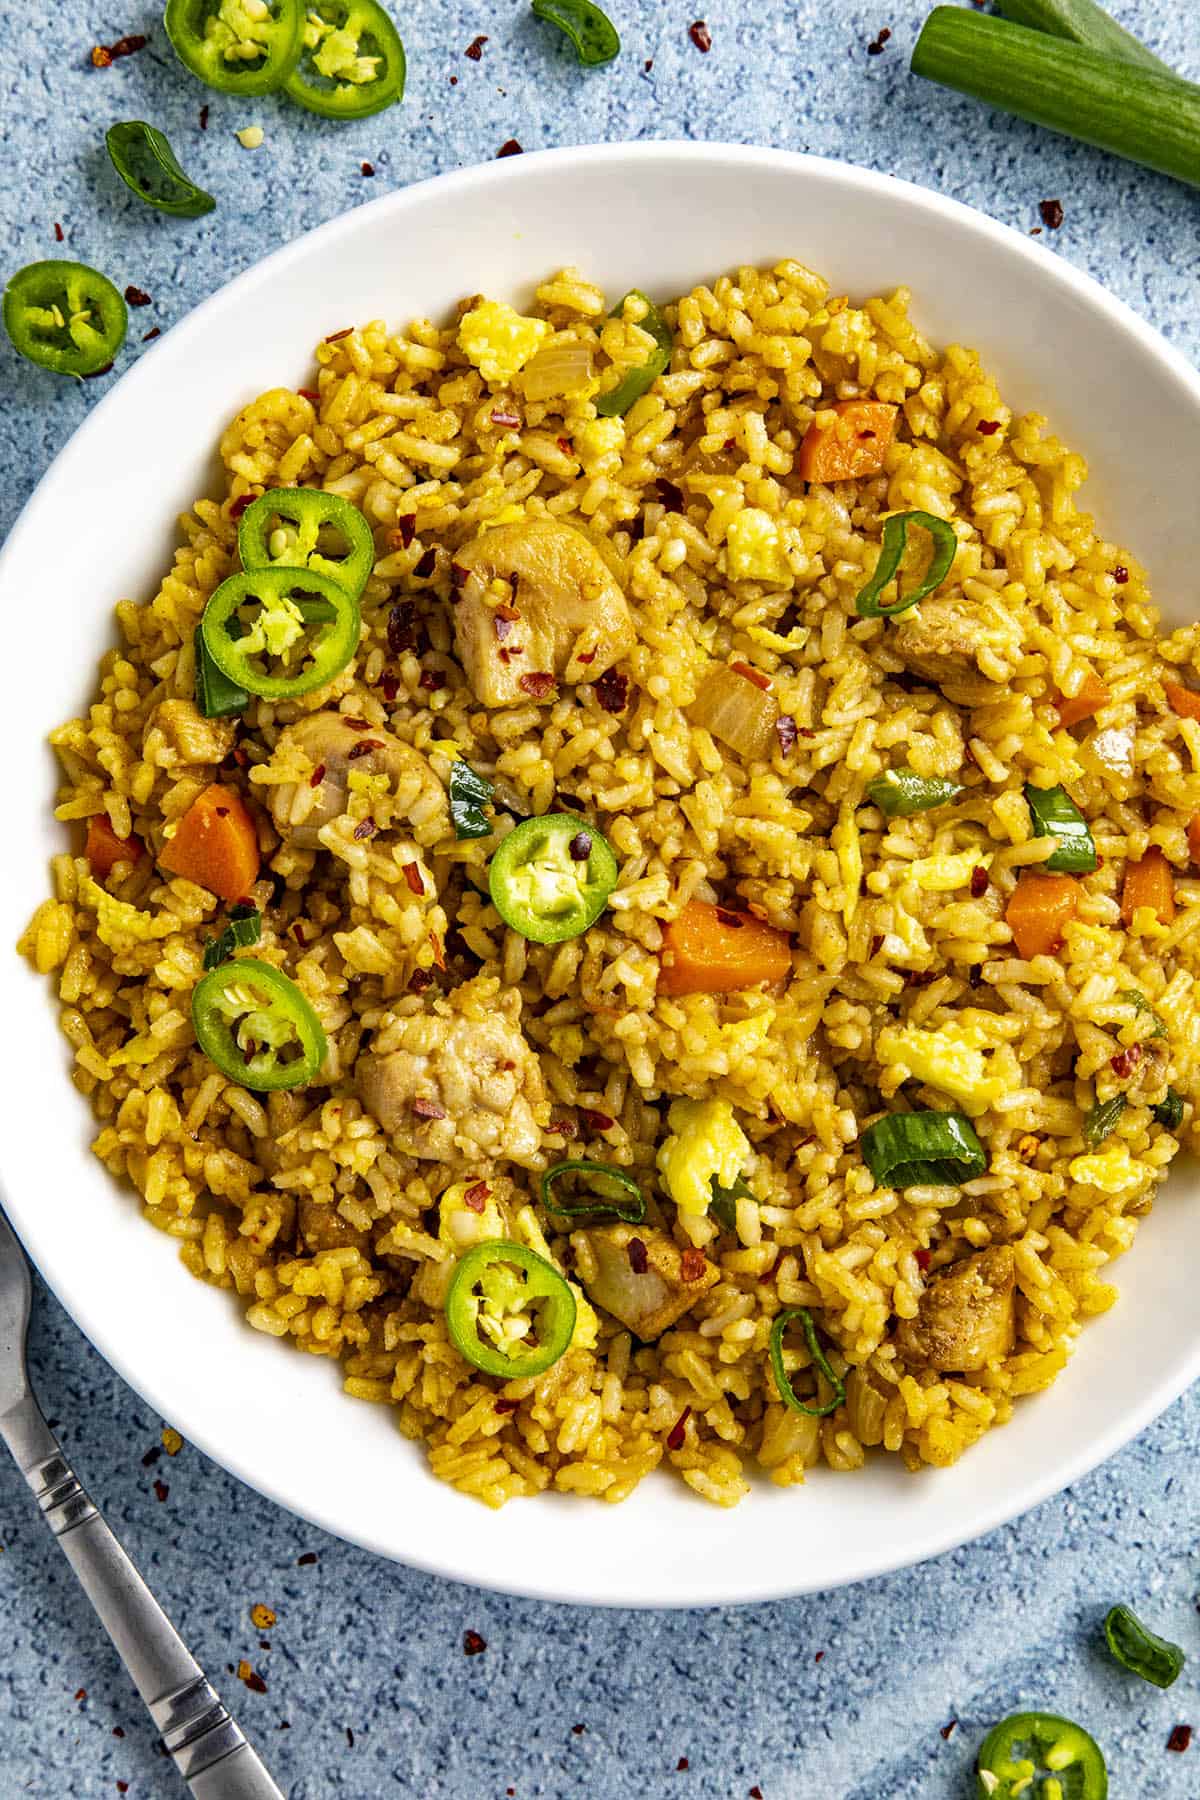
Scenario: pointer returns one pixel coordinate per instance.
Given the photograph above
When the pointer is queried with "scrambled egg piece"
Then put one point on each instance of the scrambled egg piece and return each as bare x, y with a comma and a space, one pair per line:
117, 923
942, 874
498, 340
1113, 1171
951, 1059
599, 438
753, 548
774, 640
706, 1141
460, 1227
745, 1035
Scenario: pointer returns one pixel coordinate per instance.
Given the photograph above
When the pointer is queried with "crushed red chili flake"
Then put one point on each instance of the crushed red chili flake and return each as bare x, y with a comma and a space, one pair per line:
335, 337
222, 812
122, 1787
1180, 1738
919, 978
639, 1260
875, 47
1052, 214
818, 1656
1035, 231
118, 1731
701, 36
317, 776
988, 427
509, 147
58, 232
538, 684
755, 675
413, 876
306, 1561
504, 1405
81, 1693
105, 55
612, 691
363, 747
565, 1128
756, 1792
367, 168
566, 446
427, 1109
473, 1644
349, 1737
454, 81
509, 419
786, 732
947, 1730
1125, 1061
136, 296
876, 945
476, 1197
406, 529
161, 1490
309, 394
682, 1765
980, 882
439, 955
922, 1258
474, 49
204, 118
692, 1265
586, 656
458, 575
596, 1121
251, 1677
578, 1730
298, 932
647, 65
670, 495
402, 627
389, 684
424, 568
1120, 574
580, 847
240, 504
149, 336
733, 921
431, 680
419, 980
366, 828
92, 374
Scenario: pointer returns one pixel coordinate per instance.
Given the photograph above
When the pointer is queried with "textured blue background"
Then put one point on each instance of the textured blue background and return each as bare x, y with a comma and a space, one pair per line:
562, 1702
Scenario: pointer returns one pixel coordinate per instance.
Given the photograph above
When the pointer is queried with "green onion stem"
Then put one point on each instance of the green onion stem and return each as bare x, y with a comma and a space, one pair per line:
1082, 22
1133, 112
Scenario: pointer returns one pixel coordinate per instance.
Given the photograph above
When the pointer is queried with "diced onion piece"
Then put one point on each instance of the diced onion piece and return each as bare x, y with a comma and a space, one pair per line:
738, 712
560, 368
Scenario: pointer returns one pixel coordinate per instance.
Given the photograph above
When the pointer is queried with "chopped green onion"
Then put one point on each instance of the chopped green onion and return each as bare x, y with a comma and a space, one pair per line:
242, 928
216, 695
1102, 1120
1169, 1111
147, 165
1134, 112
617, 402
608, 1193
469, 793
786, 1391
592, 32
1138, 1650
901, 792
1082, 22
1140, 1004
923, 1149
723, 1201
895, 541
1054, 814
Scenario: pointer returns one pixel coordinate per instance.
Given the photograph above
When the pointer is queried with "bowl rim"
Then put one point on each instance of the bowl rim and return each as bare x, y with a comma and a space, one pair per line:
1046, 269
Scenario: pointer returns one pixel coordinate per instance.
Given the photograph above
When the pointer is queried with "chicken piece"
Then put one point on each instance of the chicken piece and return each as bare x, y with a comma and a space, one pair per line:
959, 648
639, 1275
458, 1090
535, 599
321, 1227
189, 736
967, 1315
332, 743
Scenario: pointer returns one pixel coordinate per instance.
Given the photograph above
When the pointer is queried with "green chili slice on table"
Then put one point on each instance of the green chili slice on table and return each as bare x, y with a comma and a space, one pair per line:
901, 792
306, 528
1040, 1757
723, 1201
636, 382
923, 1149
256, 1026
243, 928
786, 1392
1102, 1120
551, 877
891, 551
592, 1190
1140, 1004
1169, 1111
147, 165
1053, 813
469, 794
262, 619
65, 317
236, 46
1140, 1651
216, 696
592, 32
351, 60
508, 1311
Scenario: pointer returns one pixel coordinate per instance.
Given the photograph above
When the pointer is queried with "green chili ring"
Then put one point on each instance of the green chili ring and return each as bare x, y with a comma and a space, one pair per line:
630, 1212
551, 877
321, 600
65, 317
786, 1392
895, 541
636, 382
201, 41
307, 511
529, 1278
1015, 1750
283, 1006
368, 24
148, 166
591, 31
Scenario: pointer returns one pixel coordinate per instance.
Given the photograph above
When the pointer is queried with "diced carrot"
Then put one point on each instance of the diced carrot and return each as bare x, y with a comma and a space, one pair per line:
215, 844
1041, 908
714, 951
1149, 883
104, 849
1088, 701
1194, 839
848, 442
1183, 700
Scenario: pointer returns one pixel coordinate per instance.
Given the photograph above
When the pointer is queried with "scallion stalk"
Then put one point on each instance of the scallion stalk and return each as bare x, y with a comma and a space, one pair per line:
1116, 105
1082, 22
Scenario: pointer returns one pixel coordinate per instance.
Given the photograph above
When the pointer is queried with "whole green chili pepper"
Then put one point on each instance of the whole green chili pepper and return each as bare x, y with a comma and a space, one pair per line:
786, 1392
592, 32
1138, 1650
147, 165
895, 541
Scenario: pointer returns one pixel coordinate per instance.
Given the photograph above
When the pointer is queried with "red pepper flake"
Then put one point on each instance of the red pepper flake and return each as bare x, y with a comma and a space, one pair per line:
596, 1121
406, 529
670, 495
367, 168
504, 1405
105, 55
947, 1730
701, 36
427, 1109
980, 882
93, 374
335, 337
509, 419
118, 1731
922, 1258
349, 1737
309, 394
473, 1644
153, 1455
988, 427
1180, 1738
756, 1792
692, 1265
454, 81
390, 685
565, 1128
875, 48
366, 828
612, 691
251, 1677
136, 296
586, 656
786, 732
419, 980
755, 675
122, 1787
81, 1693
424, 568
1052, 214
731, 920
876, 945
58, 232
412, 875
161, 1490
580, 847
509, 147
818, 1656
297, 931
919, 978
639, 1260
474, 50
239, 506
204, 118
566, 446
439, 955
1035, 231
149, 336
431, 680
1126, 1061
538, 685
1120, 574
477, 1197
682, 1764
578, 1730
402, 628
363, 747
307, 1560
458, 576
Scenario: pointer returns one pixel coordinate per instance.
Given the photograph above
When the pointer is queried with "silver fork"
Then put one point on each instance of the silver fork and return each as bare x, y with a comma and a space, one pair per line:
209, 1749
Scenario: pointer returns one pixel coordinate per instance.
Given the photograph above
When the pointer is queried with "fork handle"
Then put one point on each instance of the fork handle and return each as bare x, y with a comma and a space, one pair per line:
205, 1741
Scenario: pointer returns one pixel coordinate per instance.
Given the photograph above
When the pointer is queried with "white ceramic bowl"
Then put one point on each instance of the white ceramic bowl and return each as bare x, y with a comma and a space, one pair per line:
100, 526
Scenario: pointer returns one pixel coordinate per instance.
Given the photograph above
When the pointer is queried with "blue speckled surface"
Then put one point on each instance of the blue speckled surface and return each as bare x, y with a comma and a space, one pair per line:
563, 1702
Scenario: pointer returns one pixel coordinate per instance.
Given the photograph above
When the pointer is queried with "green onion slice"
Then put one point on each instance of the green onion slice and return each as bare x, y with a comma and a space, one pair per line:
923, 1149
242, 928
636, 382
147, 165
1082, 22
1169, 1111
786, 1391
1102, 1120
469, 794
1054, 814
607, 1192
592, 32
216, 695
901, 792
1140, 1651
723, 1201
1140, 1004
895, 541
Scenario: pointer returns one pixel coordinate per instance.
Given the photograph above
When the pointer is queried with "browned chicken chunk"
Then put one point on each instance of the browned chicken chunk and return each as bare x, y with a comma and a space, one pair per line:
641, 1276
536, 599
967, 1315
956, 648
332, 745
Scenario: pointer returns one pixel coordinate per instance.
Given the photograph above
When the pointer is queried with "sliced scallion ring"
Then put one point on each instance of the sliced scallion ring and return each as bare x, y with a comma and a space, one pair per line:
1169, 1111
895, 541
786, 1392
636, 382
1053, 813
469, 794
1103, 1119
723, 1201
608, 1192
923, 1149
